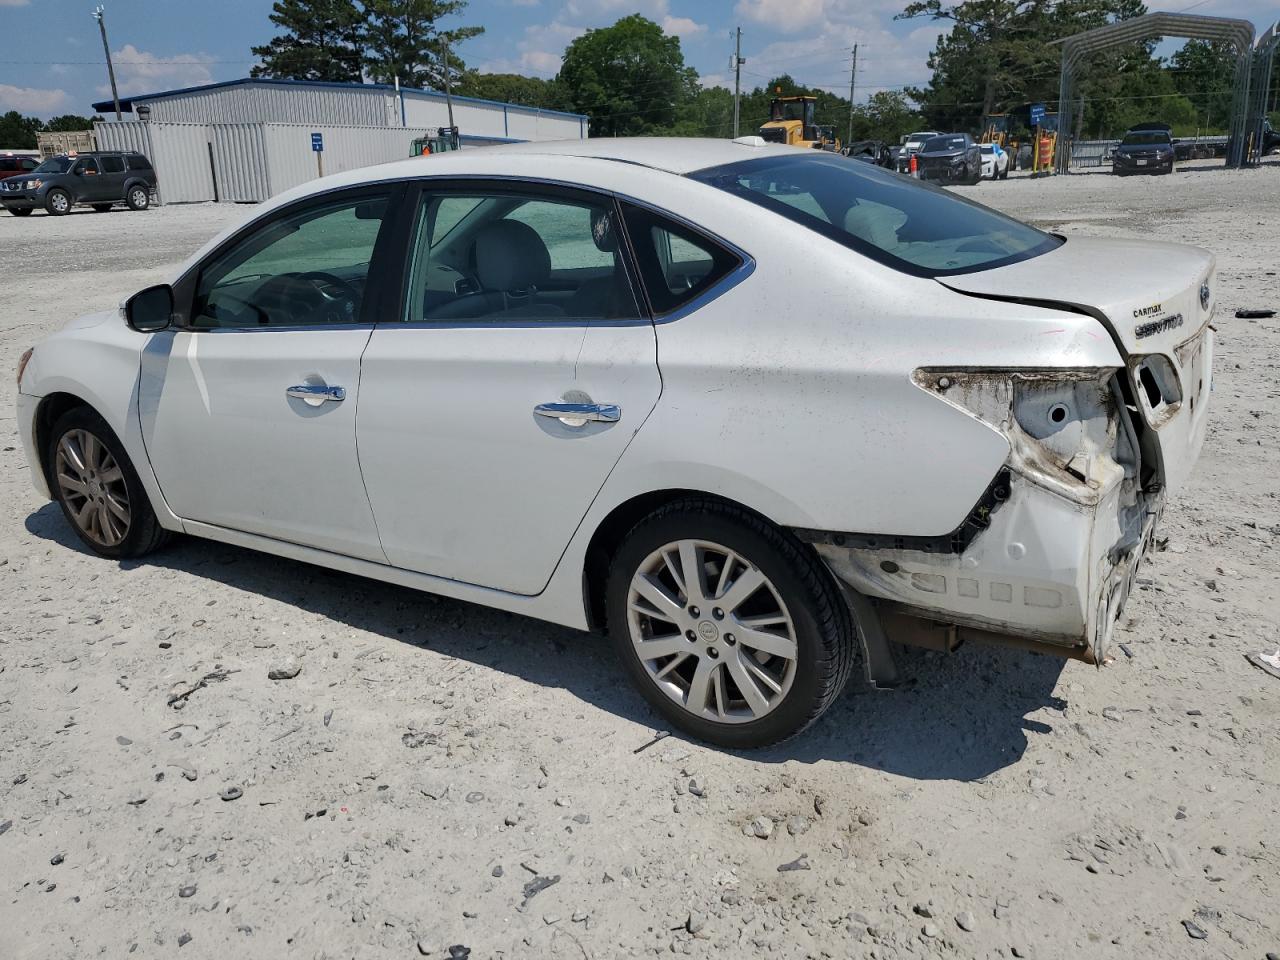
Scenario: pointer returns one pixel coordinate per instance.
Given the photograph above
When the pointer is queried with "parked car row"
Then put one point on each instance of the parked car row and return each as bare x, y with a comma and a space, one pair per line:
99, 179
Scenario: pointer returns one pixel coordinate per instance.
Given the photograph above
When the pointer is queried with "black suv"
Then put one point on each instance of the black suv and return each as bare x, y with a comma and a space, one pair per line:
99, 179
1146, 148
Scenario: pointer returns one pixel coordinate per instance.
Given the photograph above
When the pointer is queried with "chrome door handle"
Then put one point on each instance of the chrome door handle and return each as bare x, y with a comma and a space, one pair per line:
583, 412
316, 393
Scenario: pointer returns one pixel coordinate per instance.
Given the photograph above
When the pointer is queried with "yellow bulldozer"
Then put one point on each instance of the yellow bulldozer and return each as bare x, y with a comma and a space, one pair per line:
791, 121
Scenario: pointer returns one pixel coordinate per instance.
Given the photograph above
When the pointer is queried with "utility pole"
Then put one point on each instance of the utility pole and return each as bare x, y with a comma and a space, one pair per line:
738, 61
448, 84
102, 26
853, 76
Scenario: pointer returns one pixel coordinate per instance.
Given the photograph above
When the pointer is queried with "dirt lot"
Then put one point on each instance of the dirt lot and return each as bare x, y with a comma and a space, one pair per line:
440, 775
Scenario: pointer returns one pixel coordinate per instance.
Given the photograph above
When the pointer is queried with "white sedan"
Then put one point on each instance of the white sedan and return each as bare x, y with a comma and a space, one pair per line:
995, 162
754, 412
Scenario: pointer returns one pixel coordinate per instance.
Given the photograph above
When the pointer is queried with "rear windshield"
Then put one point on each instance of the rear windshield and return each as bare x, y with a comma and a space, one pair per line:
911, 226
56, 165
934, 144
1145, 138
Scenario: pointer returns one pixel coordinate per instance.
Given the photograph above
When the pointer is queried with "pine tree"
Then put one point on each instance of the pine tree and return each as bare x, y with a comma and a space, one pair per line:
321, 41
401, 39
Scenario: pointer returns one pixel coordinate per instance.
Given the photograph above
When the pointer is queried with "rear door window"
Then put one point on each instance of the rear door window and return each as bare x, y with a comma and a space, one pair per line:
113, 164
676, 263
138, 162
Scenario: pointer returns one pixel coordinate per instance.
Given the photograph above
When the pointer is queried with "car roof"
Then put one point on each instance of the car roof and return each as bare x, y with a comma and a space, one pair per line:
678, 155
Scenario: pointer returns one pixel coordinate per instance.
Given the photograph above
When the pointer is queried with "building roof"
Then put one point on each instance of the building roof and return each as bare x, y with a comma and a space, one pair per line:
126, 103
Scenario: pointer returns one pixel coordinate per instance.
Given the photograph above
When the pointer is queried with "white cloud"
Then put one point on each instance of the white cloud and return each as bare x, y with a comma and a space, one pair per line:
138, 71
785, 16
540, 50
32, 100
682, 27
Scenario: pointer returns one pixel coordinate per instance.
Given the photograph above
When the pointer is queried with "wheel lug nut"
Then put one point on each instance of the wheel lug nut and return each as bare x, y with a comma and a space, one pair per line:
693, 611
718, 613
691, 636
713, 653
730, 639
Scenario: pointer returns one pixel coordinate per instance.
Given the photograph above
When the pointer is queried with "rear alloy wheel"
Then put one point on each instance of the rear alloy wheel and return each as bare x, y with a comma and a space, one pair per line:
733, 631
138, 198
57, 202
98, 489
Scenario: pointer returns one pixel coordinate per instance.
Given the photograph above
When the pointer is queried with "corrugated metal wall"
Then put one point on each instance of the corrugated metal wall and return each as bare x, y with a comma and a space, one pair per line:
240, 161
252, 161
291, 160
179, 152
360, 106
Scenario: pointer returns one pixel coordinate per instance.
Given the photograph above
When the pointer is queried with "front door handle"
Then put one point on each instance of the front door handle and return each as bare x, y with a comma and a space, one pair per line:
316, 393
580, 412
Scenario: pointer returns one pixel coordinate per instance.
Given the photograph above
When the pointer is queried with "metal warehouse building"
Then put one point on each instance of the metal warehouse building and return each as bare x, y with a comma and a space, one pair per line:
246, 140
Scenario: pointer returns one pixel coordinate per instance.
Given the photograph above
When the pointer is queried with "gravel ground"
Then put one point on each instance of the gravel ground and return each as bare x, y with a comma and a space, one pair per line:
443, 776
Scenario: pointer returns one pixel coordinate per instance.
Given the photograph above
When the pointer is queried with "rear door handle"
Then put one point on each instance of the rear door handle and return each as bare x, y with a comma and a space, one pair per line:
580, 412
316, 393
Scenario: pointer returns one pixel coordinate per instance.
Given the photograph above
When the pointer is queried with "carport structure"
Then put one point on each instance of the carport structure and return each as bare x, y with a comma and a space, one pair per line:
1238, 33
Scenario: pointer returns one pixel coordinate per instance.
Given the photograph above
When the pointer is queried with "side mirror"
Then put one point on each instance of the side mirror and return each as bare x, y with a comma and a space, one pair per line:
150, 310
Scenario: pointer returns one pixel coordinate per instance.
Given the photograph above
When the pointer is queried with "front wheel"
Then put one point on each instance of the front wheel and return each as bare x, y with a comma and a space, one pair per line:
57, 202
138, 198
732, 629
98, 489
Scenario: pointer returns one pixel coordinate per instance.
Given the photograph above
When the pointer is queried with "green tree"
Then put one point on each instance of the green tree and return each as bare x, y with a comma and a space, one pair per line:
1000, 55
1204, 72
512, 88
18, 132
630, 78
887, 115
321, 41
68, 122
401, 39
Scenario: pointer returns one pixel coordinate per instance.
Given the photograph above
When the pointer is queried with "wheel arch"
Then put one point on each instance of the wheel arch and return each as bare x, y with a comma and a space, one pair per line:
613, 529
51, 407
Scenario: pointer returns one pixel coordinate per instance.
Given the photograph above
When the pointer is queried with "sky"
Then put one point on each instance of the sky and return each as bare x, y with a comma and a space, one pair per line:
51, 59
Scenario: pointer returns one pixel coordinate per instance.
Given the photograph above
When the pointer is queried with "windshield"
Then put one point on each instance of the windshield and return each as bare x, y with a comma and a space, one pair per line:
55, 165
910, 226
934, 144
1145, 138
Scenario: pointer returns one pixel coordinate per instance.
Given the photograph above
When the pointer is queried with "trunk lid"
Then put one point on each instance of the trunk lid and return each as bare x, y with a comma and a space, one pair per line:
1156, 300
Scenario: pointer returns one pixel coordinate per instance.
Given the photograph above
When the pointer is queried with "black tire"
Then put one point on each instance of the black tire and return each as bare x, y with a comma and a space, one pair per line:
137, 197
57, 203
21, 211
1005, 175
102, 207
143, 533
822, 624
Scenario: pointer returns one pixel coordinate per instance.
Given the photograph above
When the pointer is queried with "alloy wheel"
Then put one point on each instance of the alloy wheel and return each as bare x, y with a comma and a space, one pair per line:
60, 203
712, 631
92, 486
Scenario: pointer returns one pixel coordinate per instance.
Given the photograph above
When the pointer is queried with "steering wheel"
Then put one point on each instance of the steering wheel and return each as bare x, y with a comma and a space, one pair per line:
300, 297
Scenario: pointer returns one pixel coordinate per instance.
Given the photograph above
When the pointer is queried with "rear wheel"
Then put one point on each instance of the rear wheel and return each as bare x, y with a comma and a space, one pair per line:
57, 202
20, 211
102, 207
98, 488
732, 630
137, 198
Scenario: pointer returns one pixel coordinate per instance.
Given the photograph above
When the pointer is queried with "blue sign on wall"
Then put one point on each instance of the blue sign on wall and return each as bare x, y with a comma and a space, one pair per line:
317, 142
1037, 115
